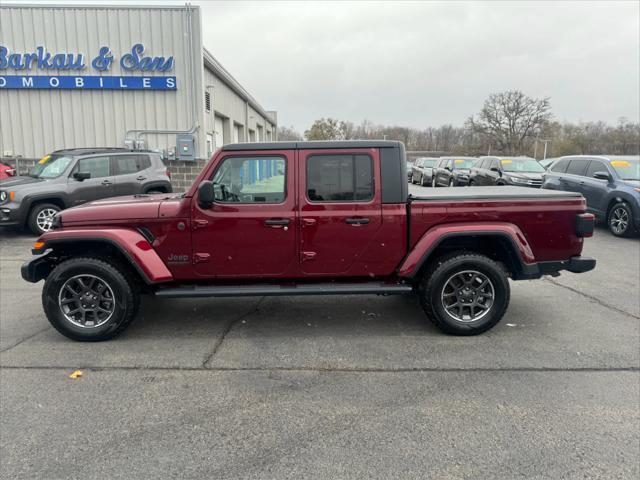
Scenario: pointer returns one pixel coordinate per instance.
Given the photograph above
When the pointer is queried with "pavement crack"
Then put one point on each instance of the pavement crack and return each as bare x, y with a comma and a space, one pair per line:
593, 298
24, 340
227, 329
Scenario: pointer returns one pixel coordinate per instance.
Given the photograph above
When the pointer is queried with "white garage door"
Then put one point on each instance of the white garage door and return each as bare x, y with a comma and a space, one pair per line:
236, 134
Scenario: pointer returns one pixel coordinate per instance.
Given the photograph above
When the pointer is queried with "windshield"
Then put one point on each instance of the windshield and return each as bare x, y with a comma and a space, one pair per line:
463, 163
429, 163
50, 166
525, 165
627, 169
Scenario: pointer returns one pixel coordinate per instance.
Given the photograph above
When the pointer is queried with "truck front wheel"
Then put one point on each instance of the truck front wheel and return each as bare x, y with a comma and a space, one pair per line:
90, 300
465, 293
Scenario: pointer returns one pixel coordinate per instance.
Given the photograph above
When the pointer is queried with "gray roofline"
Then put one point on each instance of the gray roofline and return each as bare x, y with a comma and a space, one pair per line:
216, 67
97, 6
312, 145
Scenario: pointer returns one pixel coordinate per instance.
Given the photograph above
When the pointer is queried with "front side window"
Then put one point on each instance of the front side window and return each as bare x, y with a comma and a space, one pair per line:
339, 178
251, 180
50, 166
596, 166
97, 166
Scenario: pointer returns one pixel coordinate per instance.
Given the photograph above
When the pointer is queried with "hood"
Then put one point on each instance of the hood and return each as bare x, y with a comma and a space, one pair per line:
632, 183
529, 176
463, 171
116, 209
13, 182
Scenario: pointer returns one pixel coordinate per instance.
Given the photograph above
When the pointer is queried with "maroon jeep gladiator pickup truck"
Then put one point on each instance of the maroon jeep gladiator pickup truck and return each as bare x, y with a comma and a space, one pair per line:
306, 218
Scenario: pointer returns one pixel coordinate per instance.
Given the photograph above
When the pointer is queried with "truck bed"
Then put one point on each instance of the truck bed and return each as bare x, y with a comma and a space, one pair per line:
492, 193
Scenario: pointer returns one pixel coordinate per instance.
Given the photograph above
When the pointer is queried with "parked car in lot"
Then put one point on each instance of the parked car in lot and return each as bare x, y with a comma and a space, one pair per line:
306, 218
610, 184
519, 171
452, 171
422, 170
546, 162
409, 171
67, 178
6, 171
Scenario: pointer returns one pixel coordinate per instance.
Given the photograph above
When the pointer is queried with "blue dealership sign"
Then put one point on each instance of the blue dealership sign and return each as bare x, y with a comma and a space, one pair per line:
42, 61
72, 82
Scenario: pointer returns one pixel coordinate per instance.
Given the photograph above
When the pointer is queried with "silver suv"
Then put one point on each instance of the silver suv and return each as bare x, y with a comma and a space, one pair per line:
66, 178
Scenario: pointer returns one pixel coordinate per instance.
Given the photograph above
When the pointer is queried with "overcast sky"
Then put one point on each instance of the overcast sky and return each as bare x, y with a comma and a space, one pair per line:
428, 63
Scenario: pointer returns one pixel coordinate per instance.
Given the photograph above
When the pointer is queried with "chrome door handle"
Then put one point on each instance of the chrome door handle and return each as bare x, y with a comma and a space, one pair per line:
140, 178
106, 183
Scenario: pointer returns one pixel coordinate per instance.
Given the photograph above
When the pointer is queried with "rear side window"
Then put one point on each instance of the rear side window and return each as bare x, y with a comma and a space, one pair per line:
124, 164
97, 166
339, 178
577, 166
560, 166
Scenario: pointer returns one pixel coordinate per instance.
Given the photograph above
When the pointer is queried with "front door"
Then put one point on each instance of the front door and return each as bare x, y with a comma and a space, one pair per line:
249, 231
99, 185
340, 210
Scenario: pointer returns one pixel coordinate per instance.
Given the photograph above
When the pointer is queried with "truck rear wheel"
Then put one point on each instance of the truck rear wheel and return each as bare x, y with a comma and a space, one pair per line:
89, 300
465, 293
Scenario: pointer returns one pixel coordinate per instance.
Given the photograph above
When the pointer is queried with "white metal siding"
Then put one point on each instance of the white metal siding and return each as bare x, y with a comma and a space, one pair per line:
33, 122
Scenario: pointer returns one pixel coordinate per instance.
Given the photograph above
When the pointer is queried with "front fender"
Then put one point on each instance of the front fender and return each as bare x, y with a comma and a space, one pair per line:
420, 253
135, 247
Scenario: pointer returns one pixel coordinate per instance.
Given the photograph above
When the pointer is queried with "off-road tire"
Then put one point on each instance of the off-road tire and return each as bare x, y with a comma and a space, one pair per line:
126, 298
32, 221
436, 277
629, 231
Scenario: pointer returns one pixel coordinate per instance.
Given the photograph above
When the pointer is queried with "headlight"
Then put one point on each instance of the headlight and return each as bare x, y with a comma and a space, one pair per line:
3, 197
520, 180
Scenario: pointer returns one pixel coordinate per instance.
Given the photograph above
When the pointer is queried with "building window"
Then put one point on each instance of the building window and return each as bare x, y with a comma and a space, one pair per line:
339, 178
207, 101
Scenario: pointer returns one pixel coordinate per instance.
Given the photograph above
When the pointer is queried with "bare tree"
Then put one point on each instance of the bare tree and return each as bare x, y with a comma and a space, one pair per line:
288, 134
326, 129
510, 119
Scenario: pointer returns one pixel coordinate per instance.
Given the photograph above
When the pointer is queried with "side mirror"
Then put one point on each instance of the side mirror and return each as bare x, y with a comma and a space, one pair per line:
447, 168
495, 169
81, 176
206, 194
602, 175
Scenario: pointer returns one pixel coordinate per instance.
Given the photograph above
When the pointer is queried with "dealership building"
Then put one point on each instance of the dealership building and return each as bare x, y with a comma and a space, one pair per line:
132, 77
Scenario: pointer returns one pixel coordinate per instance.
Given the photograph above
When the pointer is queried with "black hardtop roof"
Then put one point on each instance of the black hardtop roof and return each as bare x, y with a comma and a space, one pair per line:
91, 150
328, 144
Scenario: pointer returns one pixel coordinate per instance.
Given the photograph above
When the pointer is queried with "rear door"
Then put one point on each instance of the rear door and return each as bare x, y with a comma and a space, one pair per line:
99, 185
249, 231
573, 179
130, 172
340, 210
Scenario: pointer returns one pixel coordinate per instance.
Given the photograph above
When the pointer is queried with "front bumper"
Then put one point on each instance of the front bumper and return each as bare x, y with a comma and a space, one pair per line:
37, 268
11, 215
577, 264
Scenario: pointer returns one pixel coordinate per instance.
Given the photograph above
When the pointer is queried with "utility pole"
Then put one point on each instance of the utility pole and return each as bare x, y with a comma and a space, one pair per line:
546, 142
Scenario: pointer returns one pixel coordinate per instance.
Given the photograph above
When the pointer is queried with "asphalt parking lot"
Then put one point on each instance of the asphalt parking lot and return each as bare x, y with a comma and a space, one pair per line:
330, 387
